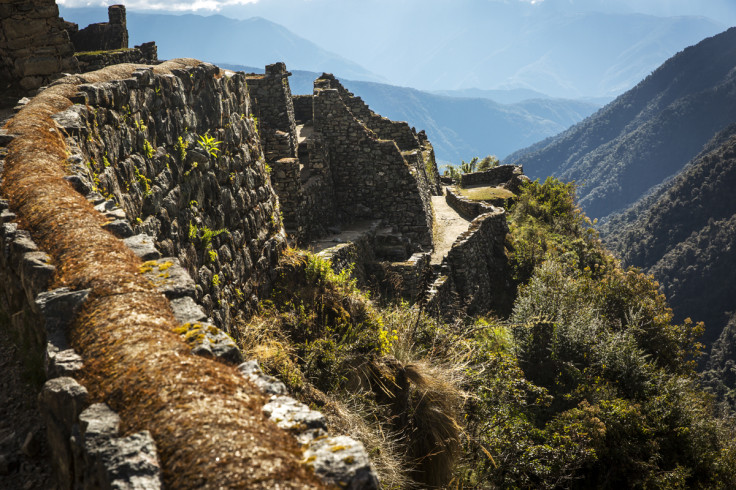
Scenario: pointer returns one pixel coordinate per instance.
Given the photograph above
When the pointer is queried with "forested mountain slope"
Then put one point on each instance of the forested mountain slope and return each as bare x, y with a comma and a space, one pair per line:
685, 234
646, 135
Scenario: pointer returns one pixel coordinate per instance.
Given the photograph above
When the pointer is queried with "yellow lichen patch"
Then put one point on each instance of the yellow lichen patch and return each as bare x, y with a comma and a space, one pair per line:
165, 265
147, 267
335, 449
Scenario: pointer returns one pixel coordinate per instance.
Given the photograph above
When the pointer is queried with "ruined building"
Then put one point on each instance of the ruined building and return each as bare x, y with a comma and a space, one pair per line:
37, 46
130, 241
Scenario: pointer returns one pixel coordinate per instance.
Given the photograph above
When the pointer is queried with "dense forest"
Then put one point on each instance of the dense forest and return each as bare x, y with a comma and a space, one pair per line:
684, 233
647, 134
582, 380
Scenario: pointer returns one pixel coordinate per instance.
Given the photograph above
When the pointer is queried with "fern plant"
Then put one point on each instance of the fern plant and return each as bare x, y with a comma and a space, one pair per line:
209, 144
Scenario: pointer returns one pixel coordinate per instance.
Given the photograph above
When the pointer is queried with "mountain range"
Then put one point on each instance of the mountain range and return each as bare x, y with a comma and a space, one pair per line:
563, 48
256, 41
659, 165
647, 134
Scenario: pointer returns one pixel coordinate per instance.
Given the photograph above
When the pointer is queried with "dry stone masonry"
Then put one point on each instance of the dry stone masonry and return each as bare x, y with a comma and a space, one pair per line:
179, 153
198, 172
335, 162
34, 46
103, 36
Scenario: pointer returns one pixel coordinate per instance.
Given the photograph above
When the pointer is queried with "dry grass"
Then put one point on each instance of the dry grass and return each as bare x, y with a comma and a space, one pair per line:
404, 404
485, 193
205, 418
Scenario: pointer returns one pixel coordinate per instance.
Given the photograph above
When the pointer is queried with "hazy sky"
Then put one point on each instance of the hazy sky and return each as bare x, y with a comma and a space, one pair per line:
570, 48
711, 8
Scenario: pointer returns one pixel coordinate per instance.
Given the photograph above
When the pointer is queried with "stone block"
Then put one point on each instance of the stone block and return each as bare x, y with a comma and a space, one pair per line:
341, 461
267, 384
61, 401
143, 246
169, 277
209, 341
290, 414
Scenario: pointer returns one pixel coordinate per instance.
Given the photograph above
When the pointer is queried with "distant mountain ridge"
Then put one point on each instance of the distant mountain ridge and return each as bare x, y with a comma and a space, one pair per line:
210, 38
459, 128
558, 47
647, 134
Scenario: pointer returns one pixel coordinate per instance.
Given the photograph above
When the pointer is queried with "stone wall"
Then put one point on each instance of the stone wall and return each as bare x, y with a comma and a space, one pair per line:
302, 108
466, 207
474, 278
146, 53
116, 148
103, 36
503, 175
370, 177
143, 141
34, 47
386, 129
87, 449
274, 111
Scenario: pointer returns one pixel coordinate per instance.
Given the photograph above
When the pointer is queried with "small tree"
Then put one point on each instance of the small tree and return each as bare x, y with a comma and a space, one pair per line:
488, 163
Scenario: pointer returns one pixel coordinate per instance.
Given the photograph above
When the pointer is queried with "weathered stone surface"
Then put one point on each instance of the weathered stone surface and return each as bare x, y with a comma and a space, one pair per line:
143, 246
35, 273
58, 308
61, 401
106, 461
209, 341
214, 211
466, 207
33, 45
509, 176
290, 414
341, 461
169, 277
186, 310
65, 363
119, 227
267, 384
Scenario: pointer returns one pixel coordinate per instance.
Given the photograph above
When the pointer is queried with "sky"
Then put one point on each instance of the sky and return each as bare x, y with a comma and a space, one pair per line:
724, 10
563, 48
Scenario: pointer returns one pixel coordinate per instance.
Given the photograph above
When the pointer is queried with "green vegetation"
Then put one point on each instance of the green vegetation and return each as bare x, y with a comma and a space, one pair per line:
181, 148
209, 144
143, 181
203, 236
587, 382
474, 165
148, 149
486, 193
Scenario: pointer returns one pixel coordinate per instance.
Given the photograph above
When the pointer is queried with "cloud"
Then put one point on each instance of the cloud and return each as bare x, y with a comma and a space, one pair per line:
176, 5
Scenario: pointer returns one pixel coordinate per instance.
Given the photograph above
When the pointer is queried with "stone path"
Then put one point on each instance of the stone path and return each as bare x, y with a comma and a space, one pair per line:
448, 225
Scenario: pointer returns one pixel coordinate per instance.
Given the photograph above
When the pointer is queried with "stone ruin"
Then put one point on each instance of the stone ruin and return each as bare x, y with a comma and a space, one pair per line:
357, 188
34, 45
102, 36
37, 46
323, 168
335, 162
